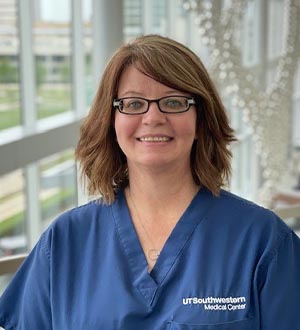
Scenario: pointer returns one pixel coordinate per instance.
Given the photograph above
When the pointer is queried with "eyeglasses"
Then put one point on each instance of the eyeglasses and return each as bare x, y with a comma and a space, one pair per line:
139, 105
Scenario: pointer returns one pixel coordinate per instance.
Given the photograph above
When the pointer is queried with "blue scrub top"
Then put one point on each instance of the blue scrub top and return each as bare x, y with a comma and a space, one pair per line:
227, 265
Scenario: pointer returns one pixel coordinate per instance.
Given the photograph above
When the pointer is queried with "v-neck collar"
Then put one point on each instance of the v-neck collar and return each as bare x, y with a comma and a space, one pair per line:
148, 283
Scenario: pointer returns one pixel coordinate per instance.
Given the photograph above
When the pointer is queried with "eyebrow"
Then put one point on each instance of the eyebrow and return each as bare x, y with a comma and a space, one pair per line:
135, 93
131, 93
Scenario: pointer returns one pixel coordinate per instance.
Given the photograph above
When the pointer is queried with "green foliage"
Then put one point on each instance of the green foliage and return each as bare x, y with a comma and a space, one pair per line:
8, 71
9, 118
9, 102
41, 73
64, 197
52, 100
65, 72
9, 224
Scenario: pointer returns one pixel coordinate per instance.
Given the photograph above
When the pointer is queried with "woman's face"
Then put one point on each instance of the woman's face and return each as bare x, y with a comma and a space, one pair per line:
153, 139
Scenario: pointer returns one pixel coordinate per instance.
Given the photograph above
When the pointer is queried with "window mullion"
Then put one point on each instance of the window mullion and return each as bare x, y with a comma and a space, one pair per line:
107, 32
78, 87
28, 92
27, 69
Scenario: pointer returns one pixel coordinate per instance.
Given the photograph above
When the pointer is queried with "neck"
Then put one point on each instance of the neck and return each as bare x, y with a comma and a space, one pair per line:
156, 201
165, 188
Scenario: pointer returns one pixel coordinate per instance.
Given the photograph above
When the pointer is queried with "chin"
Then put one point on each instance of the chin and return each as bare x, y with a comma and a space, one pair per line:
157, 162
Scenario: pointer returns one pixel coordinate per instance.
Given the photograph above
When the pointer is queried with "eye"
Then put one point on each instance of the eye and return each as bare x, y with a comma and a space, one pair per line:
174, 102
133, 104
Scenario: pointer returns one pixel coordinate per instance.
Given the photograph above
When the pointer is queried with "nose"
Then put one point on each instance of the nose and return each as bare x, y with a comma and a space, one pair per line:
154, 116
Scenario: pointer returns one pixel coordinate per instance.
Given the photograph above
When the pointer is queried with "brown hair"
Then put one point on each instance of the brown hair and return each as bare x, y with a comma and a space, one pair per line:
174, 65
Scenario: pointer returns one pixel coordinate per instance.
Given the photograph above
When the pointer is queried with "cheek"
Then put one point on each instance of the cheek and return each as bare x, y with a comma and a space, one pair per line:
194, 126
188, 127
125, 126
117, 126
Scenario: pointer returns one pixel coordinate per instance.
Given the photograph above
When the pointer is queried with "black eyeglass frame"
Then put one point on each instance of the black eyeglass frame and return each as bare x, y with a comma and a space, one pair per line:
118, 102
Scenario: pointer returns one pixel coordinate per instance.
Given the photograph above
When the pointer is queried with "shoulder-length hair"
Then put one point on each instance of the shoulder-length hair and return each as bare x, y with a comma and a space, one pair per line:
103, 163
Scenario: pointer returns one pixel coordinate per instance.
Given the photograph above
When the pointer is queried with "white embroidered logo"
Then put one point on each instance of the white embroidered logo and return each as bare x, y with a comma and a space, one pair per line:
217, 303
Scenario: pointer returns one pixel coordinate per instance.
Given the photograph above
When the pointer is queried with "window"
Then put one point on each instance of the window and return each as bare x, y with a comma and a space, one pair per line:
52, 50
12, 214
37, 169
133, 18
10, 114
57, 184
88, 49
159, 16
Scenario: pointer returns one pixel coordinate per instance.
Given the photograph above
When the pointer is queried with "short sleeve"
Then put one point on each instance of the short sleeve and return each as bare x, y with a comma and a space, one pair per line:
25, 304
280, 292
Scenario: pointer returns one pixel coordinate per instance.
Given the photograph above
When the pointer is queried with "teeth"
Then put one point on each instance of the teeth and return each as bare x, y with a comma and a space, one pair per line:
154, 139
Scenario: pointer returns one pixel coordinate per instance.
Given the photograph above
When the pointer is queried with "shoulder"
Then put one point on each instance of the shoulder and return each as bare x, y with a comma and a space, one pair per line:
76, 225
231, 200
247, 211
82, 215
247, 221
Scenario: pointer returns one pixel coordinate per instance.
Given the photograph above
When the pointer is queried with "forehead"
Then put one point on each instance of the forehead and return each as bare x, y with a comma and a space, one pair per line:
135, 83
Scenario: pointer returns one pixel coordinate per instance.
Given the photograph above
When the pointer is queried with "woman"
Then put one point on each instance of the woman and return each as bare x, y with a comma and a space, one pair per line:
165, 247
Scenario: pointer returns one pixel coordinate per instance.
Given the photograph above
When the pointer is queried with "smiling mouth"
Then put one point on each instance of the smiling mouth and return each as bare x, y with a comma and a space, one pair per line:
154, 139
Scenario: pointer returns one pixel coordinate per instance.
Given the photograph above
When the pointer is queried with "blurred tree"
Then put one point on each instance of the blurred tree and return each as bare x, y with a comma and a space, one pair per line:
8, 70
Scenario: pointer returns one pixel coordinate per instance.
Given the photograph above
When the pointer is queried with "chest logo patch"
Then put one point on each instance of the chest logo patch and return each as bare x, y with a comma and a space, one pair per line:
217, 303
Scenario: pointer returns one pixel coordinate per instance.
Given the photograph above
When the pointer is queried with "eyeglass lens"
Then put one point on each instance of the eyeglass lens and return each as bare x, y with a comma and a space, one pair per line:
172, 104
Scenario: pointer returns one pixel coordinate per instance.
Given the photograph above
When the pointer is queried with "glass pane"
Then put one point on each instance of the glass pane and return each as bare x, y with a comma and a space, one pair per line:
159, 16
88, 48
276, 22
296, 110
12, 214
57, 185
4, 280
52, 49
132, 13
133, 18
9, 66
